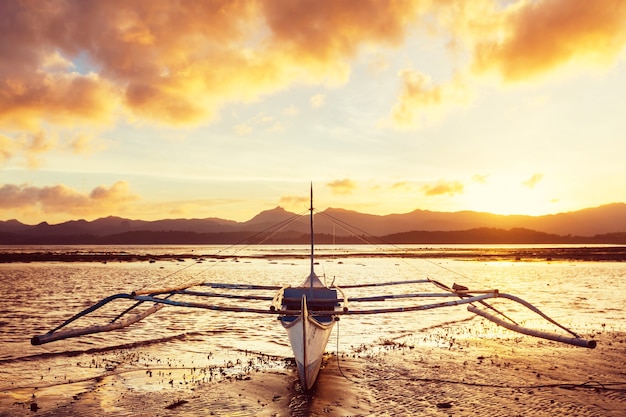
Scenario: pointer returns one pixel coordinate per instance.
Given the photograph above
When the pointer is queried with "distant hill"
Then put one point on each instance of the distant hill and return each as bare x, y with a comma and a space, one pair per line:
604, 224
609, 218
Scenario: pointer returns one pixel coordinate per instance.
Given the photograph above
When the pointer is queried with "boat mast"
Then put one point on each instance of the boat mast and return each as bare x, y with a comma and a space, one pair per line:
312, 235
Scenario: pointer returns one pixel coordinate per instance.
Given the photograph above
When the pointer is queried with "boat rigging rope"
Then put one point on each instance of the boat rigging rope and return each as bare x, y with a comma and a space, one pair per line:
265, 234
351, 229
339, 362
255, 239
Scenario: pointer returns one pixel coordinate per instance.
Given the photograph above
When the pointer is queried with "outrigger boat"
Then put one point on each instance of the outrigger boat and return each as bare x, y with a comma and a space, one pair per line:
301, 315
308, 312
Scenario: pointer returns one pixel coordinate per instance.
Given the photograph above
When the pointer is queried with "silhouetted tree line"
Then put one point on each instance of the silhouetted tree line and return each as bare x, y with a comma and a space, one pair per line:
473, 236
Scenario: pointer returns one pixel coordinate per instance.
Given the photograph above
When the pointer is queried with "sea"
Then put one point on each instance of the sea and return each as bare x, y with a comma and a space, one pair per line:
179, 349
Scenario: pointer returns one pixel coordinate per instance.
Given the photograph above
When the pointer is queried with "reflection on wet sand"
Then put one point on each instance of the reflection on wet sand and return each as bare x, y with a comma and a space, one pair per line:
431, 363
461, 377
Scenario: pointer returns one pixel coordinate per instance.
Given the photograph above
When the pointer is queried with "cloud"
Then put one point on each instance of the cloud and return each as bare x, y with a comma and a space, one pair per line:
480, 178
345, 186
175, 62
378, 64
23, 144
317, 100
403, 185
533, 38
533, 181
7, 149
119, 192
31, 147
294, 202
326, 35
60, 99
517, 42
70, 62
84, 143
421, 100
63, 199
55, 62
443, 187
35, 145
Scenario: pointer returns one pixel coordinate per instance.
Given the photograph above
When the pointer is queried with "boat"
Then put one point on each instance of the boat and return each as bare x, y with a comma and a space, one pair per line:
309, 310
308, 330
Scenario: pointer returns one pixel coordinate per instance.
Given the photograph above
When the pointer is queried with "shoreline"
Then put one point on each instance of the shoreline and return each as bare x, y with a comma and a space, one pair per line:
526, 254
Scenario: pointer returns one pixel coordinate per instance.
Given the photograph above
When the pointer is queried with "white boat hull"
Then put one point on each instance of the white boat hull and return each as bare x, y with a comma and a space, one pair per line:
308, 337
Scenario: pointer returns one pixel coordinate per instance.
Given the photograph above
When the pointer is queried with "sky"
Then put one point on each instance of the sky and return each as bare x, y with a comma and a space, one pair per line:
153, 109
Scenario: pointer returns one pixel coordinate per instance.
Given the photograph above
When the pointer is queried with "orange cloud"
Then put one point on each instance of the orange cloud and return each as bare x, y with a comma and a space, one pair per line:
400, 185
534, 180
174, 62
518, 42
344, 186
34, 145
7, 149
67, 62
83, 143
63, 199
31, 146
443, 187
420, 100
535, 37
294, 202
61, 99
322, 34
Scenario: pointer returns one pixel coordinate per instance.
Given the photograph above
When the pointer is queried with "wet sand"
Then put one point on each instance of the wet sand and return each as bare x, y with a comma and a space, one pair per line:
473, 376
451, 372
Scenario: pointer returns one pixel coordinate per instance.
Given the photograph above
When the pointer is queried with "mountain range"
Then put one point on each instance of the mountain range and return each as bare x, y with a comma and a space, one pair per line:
603, 224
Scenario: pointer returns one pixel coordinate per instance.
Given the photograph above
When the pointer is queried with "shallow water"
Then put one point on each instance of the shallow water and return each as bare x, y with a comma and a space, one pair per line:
179, 349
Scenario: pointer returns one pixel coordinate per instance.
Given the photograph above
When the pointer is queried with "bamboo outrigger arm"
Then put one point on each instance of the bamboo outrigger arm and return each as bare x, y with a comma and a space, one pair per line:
66, 334
576, 341
466, 297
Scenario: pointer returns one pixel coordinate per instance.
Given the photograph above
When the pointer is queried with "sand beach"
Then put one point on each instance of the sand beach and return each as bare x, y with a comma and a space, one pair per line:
472, 376
447, 363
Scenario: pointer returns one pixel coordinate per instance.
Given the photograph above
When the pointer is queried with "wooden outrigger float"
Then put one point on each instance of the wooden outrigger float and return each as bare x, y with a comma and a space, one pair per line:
308, 312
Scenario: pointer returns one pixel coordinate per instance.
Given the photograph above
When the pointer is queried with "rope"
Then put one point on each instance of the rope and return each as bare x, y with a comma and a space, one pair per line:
351, 230
339, 362
262, 237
